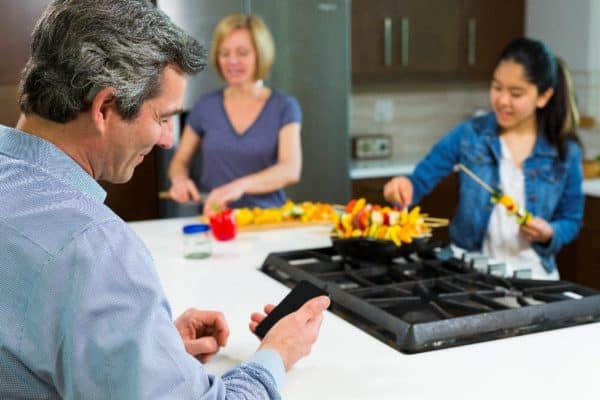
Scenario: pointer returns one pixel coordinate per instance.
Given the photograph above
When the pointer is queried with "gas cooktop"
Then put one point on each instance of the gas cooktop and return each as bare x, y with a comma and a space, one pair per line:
431, 300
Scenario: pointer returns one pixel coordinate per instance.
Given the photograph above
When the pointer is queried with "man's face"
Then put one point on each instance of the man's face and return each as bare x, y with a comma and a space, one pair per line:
129, 141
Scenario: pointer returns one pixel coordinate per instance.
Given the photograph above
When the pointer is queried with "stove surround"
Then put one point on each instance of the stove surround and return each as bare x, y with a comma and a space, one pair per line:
434, 301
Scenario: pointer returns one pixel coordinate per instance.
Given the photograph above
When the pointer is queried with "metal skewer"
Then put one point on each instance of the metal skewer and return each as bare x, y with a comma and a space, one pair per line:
523, 216
475, 177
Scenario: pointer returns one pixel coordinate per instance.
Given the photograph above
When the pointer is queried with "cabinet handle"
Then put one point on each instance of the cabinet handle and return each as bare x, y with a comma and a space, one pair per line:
472, 38
405, 41
387, 41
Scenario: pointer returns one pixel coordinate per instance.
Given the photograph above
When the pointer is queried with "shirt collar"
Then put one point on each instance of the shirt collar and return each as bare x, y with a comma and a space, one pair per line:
40, 152
487, 126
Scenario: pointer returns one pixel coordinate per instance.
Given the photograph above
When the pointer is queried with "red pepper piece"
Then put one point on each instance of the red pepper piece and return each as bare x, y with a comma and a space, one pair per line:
222, 225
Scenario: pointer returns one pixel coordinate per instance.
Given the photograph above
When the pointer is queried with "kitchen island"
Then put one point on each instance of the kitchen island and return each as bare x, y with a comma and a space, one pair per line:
347, 363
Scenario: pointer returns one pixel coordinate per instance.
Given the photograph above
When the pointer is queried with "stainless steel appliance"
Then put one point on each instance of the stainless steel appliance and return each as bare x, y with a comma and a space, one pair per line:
428, 300
312, 63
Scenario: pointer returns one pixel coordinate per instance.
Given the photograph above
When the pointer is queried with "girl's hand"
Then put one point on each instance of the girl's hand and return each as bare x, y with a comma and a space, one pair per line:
399, 191
537, 230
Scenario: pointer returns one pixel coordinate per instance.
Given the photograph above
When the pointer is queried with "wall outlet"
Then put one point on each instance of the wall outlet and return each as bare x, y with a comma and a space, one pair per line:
371, 146
383, 110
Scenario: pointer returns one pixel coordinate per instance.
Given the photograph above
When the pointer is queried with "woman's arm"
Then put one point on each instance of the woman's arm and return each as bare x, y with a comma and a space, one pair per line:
182, 187
287, 170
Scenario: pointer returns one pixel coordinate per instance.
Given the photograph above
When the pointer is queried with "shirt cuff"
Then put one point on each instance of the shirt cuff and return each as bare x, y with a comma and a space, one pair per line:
272, 362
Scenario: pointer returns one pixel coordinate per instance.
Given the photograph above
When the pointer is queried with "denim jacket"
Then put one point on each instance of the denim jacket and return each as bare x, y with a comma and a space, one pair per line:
553, 188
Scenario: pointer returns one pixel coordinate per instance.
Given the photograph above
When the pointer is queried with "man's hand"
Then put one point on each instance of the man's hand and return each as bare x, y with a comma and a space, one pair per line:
537, 230
184, 190
294, 335
203, 332
399, 191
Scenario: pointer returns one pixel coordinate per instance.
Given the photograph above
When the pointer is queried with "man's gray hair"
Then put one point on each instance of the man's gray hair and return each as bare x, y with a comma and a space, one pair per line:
82, 46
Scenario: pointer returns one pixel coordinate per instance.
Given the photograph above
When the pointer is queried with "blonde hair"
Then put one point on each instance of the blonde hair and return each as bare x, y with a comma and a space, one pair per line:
259, 34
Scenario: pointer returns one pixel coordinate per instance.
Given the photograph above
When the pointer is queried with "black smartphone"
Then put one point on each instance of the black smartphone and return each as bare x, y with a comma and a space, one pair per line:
295, 299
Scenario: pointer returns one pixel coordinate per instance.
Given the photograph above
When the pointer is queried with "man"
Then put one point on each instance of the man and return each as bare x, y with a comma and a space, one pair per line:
82, 312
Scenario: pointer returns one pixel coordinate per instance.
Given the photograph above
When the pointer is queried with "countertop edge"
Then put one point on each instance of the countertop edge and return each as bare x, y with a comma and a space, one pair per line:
389, 168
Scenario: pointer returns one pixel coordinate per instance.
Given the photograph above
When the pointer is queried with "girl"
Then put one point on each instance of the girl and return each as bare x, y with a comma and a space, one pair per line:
527, 147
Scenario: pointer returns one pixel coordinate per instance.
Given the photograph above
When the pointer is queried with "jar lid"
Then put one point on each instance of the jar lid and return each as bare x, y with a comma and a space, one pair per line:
196, 228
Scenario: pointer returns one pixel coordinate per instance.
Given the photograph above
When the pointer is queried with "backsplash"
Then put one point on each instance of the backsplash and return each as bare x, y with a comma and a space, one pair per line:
418, 119
586, 84
415, 120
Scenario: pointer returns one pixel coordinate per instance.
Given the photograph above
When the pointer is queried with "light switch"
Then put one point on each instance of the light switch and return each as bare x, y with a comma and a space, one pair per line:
383, 110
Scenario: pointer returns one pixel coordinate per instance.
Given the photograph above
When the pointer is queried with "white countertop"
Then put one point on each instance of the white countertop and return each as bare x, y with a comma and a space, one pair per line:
591, 187
347, 363
363, 169
395, 167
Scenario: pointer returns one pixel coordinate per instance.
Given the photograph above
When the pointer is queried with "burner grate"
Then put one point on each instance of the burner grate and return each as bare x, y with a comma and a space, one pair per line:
424, 303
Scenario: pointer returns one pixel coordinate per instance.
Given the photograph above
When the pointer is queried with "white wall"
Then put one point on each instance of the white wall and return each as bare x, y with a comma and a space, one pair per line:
594, 34
565, 26
571, 28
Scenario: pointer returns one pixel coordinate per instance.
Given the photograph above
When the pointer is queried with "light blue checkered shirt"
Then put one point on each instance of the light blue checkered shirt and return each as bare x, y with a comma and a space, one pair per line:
82, 311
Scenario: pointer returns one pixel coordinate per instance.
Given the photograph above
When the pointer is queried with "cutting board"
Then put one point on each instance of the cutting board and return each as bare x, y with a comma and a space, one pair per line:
278, 225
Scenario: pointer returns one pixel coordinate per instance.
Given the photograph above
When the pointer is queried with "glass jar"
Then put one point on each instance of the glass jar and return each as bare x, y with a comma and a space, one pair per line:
196, 241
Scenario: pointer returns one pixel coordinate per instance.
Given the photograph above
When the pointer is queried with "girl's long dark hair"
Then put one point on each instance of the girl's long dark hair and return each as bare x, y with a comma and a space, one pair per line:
558, 120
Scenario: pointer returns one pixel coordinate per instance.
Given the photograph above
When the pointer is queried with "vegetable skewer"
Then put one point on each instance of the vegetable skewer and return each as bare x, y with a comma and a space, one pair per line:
523, 216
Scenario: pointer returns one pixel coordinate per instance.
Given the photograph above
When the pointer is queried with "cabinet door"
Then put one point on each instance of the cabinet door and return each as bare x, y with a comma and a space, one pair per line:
428, 36
138, 198
488, 26
372, 36
587, 264
400, 40
16, 23
371, 189
442, 203
418, 40
578, 261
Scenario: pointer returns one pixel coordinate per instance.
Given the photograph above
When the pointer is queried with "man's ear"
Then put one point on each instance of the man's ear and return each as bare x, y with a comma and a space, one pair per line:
104, 107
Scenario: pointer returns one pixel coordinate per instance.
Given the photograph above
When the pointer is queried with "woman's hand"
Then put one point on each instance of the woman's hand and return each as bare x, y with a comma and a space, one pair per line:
184, 190
537, 230
203, 332
399, 191
221, 196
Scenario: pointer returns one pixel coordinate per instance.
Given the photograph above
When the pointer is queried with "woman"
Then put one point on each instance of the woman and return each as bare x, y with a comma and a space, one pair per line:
527, 147
249, 134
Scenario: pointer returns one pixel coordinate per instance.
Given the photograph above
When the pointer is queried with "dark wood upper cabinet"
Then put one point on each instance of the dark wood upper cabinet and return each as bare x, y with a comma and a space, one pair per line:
424, 31
488, 26
16, 23
372, 42
408, 40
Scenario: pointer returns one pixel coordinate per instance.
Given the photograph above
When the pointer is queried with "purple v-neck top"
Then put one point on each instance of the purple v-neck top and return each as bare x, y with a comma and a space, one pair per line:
227, 155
